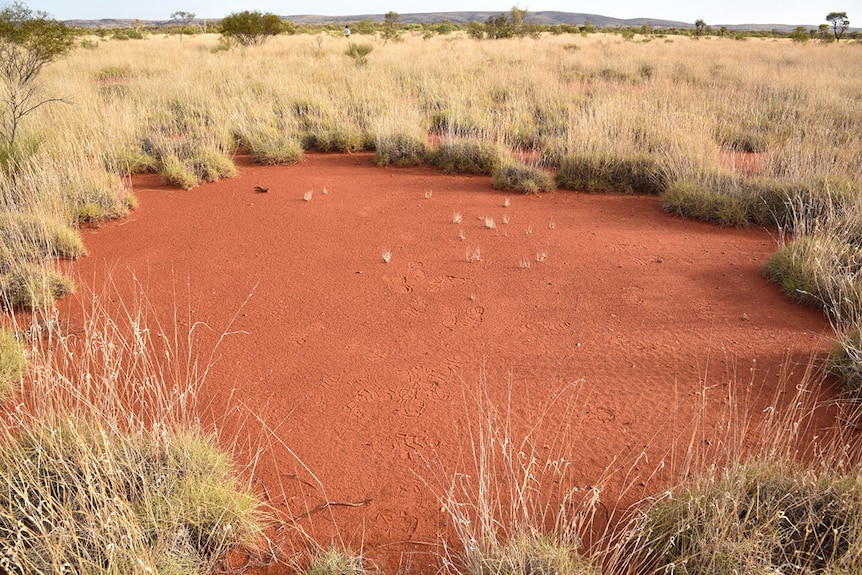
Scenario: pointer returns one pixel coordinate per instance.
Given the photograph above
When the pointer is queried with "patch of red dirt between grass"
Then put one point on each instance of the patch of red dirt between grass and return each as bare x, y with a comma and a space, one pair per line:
364, 370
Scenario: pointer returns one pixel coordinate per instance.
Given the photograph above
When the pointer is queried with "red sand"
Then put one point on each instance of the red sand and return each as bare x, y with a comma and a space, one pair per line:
361, 367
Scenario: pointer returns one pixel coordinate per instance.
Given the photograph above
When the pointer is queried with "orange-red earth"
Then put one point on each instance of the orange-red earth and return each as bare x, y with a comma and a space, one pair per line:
617, 328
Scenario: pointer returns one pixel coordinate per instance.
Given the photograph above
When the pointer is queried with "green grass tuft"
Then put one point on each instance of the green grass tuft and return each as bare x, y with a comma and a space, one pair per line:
32, 286
469, 156
84, 494
26, 236
335, 562
524, 179
269, 146
401, 150
812, 271
612, 175
344, 141
177, 173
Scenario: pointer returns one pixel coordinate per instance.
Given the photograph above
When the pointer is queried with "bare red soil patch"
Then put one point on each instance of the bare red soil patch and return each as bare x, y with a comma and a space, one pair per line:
361, 366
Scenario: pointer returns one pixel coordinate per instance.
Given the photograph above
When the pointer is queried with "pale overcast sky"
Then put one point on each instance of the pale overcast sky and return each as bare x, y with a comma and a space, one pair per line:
714, 12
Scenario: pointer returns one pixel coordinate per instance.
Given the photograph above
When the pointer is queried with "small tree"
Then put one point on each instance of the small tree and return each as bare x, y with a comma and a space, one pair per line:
251, 28
184, 19
28, 41
390, 27
516, 16
839, 22
699, 26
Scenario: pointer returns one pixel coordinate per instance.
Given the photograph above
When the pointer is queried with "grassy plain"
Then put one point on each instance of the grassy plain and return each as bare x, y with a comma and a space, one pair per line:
669, 116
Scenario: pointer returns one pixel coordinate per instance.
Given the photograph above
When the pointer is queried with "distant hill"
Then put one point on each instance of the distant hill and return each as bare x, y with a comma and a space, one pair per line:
550, 18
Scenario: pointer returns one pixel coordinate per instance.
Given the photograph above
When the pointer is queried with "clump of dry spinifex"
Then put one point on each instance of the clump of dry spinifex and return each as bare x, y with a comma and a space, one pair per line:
759, 493
104, 467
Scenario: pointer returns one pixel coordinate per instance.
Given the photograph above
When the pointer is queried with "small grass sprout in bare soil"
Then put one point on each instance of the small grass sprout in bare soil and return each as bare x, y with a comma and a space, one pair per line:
523, 178
333, 561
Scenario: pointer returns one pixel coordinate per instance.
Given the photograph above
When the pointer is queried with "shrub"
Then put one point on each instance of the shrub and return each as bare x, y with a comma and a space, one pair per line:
31, 286
13, 362
359, 53
401, 150
251, 28
603, 173
756, 518
469, 156
523, 178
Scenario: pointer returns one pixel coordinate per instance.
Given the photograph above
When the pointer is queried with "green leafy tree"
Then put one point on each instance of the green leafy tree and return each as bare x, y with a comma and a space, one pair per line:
364, 26
839, 22
516, 18
699, 27
800, 35
498, 27
475, 30
28, 41
251, 28
183, 19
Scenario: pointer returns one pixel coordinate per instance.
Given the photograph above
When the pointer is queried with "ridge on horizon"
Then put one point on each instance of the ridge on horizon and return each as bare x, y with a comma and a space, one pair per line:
547, 17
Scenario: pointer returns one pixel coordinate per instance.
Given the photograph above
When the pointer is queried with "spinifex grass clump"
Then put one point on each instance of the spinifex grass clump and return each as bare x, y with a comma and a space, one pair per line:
32, 286
845, 360
13, 362
104, 465
512, 510
523, 178
333, 561
269, 146
471, 156
401, 150
602, 173
813, 270
26, 236
343, 140
81, 496
755, 518
728, 199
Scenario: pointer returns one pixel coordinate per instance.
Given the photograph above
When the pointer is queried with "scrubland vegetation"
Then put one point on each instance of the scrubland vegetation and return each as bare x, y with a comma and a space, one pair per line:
756, 132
